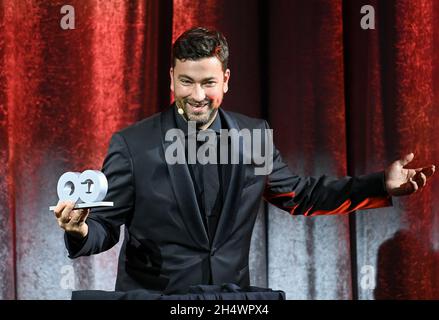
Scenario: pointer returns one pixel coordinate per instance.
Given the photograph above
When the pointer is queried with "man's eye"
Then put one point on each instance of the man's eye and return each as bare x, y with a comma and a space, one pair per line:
185, 82
210, 83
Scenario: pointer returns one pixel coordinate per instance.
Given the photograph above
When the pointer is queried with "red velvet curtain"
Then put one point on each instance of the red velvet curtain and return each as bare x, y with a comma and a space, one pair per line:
392, 106
64, 92
341, 100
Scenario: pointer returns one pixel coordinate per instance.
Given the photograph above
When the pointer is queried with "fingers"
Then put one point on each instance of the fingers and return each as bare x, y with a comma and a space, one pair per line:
420, 179
406, 159
423, 174
68, 216
63, 208
59, 208
79, 216
428, 171
65, 215
414, 185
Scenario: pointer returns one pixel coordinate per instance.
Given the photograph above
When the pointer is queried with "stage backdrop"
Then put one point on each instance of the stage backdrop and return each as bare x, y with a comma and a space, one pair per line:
341, 100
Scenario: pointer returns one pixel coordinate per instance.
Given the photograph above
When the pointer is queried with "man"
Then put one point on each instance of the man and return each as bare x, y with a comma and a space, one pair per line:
189, 224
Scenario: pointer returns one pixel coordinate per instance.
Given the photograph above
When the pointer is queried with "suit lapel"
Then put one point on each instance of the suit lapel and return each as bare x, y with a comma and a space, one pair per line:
234, 189
183, 187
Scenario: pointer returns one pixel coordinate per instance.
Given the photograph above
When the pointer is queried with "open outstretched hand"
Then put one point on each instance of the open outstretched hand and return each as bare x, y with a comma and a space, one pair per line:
401, 181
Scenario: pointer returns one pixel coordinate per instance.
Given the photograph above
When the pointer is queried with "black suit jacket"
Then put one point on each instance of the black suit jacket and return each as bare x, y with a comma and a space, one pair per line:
166, 247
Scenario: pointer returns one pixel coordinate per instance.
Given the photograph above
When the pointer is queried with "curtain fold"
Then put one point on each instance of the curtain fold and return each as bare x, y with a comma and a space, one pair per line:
7, 227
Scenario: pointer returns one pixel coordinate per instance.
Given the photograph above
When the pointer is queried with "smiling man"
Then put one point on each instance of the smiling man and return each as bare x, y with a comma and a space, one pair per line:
199, 77
190, 224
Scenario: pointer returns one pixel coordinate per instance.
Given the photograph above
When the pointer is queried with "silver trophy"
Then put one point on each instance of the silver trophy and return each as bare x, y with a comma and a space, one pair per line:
86, 189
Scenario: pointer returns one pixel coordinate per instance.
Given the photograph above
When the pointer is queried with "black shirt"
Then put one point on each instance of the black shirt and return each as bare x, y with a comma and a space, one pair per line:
207, 178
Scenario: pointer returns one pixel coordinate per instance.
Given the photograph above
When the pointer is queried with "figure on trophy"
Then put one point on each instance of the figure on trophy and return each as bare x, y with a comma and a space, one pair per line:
87, 189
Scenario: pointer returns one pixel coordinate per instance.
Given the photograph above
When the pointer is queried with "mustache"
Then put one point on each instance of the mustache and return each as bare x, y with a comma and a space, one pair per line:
197, 103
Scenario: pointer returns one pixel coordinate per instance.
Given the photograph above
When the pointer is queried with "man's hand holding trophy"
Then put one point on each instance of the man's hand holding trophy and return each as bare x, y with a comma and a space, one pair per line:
77, 193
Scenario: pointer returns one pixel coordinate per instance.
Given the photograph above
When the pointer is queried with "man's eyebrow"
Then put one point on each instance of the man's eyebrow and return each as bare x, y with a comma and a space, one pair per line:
189, 78
184, 76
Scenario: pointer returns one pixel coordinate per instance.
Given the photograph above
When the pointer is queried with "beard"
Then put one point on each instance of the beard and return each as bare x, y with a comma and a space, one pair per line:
199, 111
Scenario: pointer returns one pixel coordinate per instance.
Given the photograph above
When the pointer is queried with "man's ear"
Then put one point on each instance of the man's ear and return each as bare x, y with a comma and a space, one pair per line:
226, 80
171, 75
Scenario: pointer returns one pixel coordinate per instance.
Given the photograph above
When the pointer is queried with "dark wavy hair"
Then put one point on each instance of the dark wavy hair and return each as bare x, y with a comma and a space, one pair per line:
198, 43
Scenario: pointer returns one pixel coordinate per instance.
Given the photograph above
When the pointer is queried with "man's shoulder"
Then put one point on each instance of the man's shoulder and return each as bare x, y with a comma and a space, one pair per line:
142, 134
142, 127
245, 121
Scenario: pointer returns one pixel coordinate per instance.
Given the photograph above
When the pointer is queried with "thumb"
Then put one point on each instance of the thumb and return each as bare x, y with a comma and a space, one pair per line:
84, 214
406, 159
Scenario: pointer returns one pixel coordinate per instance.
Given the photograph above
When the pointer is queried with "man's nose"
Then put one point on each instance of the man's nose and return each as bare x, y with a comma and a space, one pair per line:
198, 93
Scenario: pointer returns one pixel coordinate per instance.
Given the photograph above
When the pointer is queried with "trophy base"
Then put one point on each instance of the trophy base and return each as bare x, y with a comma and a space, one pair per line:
89, 205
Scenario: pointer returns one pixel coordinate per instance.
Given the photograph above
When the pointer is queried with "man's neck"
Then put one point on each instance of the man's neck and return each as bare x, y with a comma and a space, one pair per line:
207, 125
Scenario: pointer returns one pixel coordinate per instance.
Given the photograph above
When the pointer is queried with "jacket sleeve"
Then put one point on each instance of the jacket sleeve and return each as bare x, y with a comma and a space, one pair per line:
104, 223
323, 195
